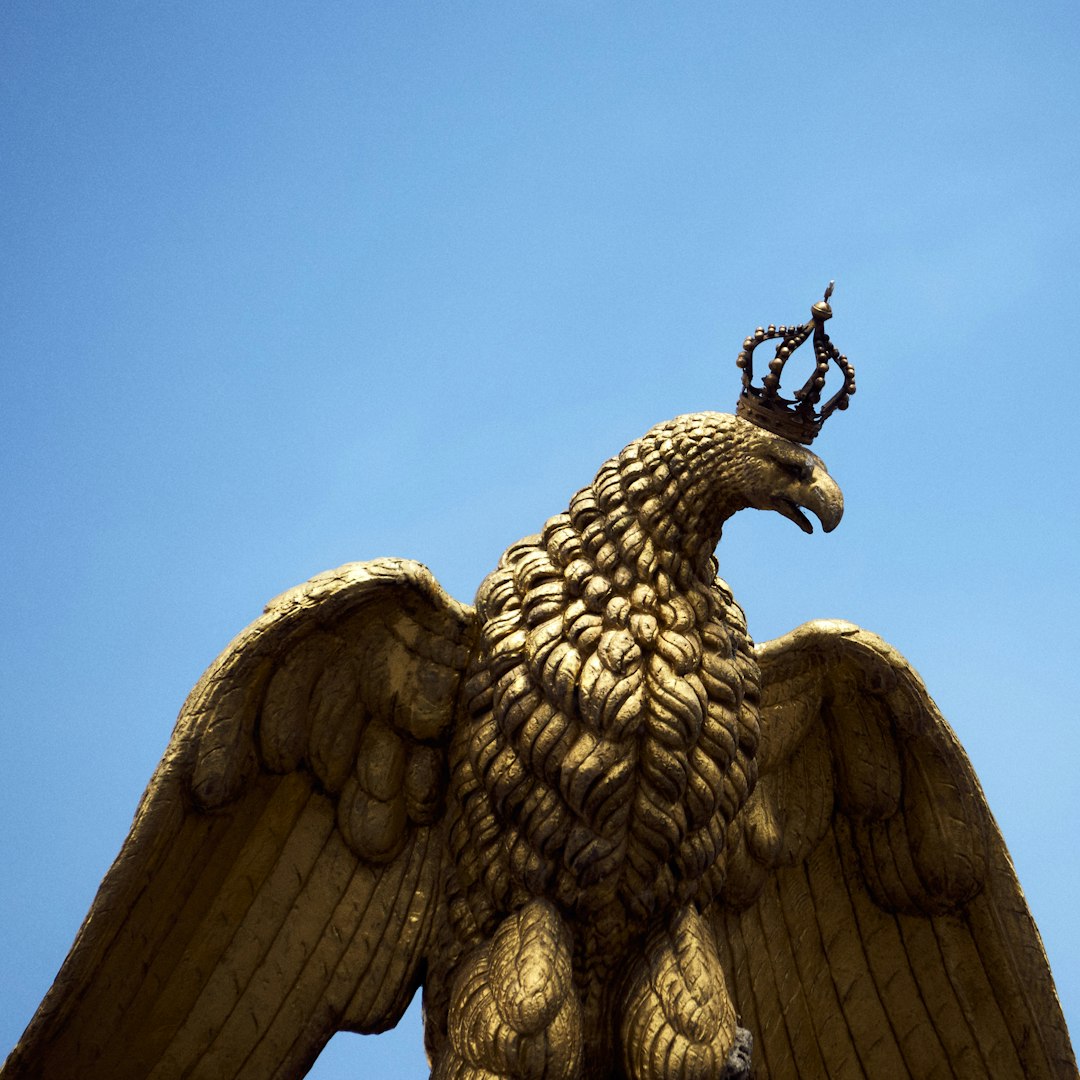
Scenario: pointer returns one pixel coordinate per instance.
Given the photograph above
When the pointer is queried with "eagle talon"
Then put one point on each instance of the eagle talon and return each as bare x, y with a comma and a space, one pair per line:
739, 1062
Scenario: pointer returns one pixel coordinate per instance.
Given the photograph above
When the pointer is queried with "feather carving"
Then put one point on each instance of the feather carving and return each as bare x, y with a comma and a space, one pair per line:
609, 835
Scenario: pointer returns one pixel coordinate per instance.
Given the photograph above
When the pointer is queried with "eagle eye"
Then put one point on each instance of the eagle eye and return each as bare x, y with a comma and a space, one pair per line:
797, 470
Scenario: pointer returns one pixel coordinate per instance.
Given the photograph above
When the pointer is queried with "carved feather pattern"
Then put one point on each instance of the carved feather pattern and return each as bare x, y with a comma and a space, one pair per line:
590, 815
872, 923
678, 1021
282, 876
611, 707
514, 1009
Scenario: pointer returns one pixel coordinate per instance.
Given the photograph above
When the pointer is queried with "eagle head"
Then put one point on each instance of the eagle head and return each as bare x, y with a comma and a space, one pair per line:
769, 472
686, 477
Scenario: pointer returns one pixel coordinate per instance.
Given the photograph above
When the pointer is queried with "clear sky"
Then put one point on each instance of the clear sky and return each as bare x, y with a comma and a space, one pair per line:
286, 286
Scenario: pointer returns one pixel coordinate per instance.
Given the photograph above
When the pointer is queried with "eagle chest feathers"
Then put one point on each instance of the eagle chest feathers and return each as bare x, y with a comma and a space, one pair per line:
608, 720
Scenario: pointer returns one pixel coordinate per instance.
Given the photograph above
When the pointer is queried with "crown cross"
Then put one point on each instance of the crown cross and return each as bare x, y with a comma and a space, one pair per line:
798, 419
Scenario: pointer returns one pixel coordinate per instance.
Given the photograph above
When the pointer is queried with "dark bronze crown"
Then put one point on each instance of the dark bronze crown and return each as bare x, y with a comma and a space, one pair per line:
797, 420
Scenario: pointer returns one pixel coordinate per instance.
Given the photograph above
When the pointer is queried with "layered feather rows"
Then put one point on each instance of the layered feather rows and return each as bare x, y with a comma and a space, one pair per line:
611, 715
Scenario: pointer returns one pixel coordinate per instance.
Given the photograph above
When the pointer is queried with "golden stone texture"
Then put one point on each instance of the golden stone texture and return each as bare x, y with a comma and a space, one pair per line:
603, 829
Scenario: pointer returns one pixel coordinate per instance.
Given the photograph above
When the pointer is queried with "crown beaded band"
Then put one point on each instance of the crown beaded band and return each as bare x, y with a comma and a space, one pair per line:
796, 420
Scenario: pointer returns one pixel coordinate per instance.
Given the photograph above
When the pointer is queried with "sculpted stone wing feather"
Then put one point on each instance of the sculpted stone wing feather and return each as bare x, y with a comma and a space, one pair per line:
282, 876
872, 921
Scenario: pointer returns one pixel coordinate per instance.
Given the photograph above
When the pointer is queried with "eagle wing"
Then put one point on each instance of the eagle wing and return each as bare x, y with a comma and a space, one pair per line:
872, 923
281, 878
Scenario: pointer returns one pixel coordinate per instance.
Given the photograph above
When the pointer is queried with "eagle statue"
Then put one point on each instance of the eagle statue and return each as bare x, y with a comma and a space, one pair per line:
607, 833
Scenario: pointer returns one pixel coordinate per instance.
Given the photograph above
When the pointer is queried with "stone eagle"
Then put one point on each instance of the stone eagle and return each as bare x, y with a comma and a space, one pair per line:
608, 834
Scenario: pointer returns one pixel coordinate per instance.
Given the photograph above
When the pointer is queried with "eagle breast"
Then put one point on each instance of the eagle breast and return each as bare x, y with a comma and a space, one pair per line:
609, 717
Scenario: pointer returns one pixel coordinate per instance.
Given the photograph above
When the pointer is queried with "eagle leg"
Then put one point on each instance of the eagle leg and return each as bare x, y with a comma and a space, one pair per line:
678, 1021
513, 1007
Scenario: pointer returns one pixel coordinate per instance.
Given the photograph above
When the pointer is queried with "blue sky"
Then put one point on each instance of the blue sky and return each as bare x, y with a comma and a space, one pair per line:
285, 287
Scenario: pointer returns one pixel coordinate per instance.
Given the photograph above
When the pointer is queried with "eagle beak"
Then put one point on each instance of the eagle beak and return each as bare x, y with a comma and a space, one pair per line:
825, 500
820, 495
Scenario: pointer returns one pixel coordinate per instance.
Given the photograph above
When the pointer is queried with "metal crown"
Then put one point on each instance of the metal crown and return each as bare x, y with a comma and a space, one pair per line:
797, 419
